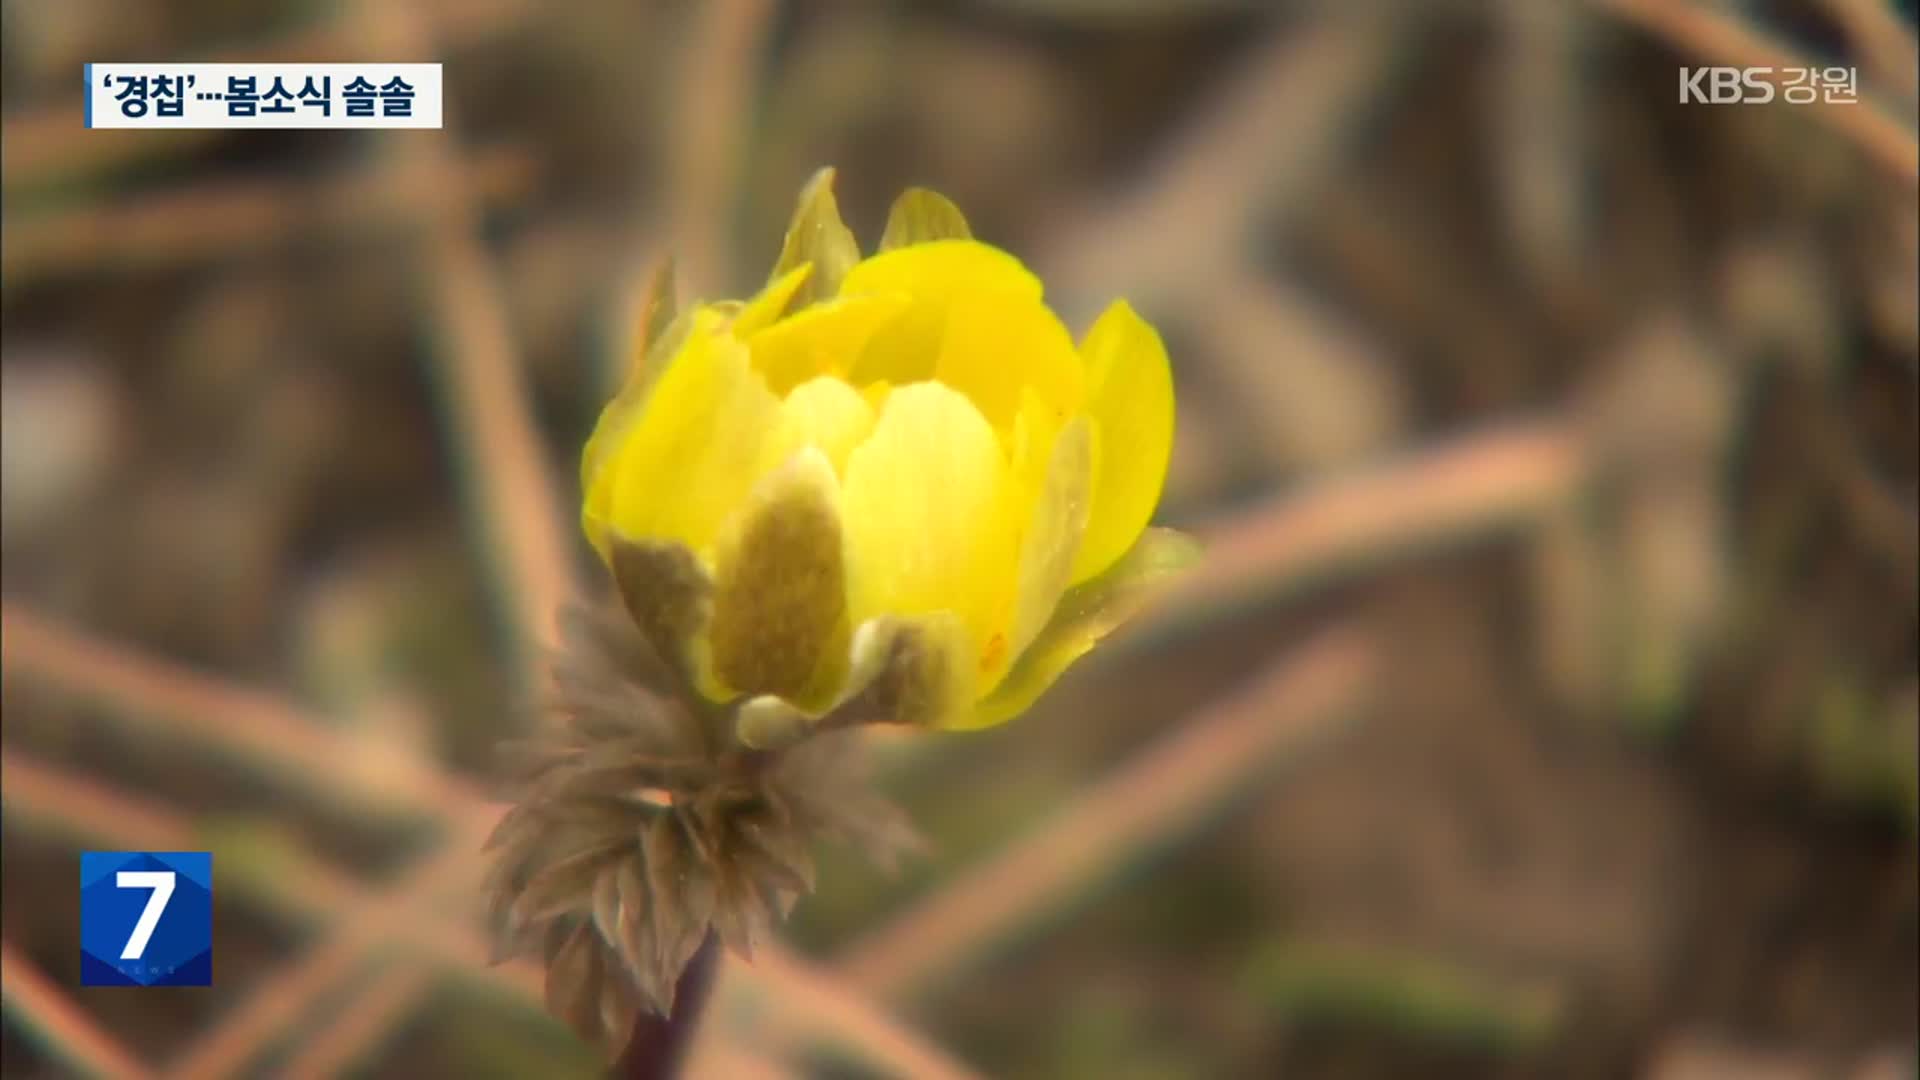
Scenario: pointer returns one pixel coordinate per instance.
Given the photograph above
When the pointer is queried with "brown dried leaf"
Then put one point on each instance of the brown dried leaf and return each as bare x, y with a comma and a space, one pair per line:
602, 645
598, 814
574, 974
584, 781
606, 905
513, 832
617, 713
780, 857
591, 855
632, 936
619, 1002
668, 874
732, 915
563, 885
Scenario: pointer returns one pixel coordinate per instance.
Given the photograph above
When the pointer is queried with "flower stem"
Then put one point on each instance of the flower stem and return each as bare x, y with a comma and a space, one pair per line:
658, 1046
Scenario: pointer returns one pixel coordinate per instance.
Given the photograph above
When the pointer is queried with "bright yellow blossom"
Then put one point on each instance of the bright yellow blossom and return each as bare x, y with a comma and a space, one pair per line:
891, 486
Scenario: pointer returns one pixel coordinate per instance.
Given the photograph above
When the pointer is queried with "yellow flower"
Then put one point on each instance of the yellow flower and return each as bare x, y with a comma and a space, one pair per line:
889, 488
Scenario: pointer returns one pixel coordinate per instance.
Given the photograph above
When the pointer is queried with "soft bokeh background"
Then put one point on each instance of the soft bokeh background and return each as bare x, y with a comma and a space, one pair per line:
1547, 708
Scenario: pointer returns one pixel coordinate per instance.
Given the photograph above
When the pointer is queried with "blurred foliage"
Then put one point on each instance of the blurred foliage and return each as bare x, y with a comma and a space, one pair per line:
1411, 994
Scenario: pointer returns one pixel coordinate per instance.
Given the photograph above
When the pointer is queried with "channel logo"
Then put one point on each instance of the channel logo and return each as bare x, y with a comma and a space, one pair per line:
146, 918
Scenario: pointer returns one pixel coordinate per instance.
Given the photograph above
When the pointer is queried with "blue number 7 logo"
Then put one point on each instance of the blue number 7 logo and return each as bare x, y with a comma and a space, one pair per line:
161, 882
146, 918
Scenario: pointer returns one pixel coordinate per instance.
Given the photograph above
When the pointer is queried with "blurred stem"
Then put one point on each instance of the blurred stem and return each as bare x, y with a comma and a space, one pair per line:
658, 1046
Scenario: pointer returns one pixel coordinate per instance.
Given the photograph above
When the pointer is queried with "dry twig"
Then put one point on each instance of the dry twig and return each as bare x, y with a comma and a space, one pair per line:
62, 1026
1164, 794
1276, 131
361, 1026
708, 135
233, 219
268, 734
282, 1000
1353, 520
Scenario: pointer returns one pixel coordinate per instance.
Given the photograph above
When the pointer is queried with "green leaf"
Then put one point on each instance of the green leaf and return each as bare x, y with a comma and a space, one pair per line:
817, 235
919, 216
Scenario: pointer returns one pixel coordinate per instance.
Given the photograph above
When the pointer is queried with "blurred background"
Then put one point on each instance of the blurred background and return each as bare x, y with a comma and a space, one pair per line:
1547, 706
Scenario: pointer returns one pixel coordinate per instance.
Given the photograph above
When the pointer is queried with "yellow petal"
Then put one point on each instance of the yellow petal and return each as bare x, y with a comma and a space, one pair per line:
616, 424
817, 235
919, 216
692, 457
827, 414
996, 345
1087, 613
975, 322
652, 333
1130, 398
905, 348
925, 516
824, 339
941, 268
765, 309
1049, 476
779, 588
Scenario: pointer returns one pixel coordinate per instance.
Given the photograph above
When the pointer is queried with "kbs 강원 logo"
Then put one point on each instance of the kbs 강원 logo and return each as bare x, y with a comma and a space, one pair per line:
146, 918
1757, 85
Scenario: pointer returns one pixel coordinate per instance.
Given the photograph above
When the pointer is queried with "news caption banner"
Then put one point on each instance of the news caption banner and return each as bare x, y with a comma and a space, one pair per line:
263, 96
146, 918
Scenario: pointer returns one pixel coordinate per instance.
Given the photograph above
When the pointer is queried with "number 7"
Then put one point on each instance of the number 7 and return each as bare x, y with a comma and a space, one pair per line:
161, 882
